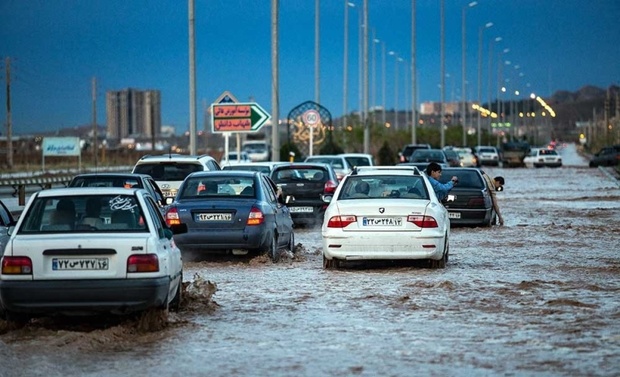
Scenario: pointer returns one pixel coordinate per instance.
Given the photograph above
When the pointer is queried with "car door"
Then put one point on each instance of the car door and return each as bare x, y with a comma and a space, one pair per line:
153, 189
169, 254
284, 222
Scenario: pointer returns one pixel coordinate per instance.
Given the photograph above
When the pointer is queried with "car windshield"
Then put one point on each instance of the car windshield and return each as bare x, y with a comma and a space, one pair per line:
422, 155
383, 187
168, 171
548, 152
84, 213
260, 168
217, 186
357, 161
486, 150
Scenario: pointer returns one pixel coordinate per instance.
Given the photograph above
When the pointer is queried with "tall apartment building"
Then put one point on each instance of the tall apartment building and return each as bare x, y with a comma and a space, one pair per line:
133, 113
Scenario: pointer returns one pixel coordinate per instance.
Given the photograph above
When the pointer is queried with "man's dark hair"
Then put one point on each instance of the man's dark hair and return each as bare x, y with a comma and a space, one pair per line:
499, 179
433, 166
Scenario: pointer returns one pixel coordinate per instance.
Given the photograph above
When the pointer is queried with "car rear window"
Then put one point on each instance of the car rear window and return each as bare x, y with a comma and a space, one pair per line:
548, 152
357, 161
467, 178
383, 187
220, 187
84, 213
335, 162
314, 174
168, 171
486, 150
106, 182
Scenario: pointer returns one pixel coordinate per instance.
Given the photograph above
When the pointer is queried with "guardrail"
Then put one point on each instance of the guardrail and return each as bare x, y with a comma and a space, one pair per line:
19, 184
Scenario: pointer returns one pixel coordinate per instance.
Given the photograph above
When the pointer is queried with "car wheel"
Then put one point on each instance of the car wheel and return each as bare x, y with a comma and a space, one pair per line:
441, 263
330, 264
273, 251
291, 242
175, 304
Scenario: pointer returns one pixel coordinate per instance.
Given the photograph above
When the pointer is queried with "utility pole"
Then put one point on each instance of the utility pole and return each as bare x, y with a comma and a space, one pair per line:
9, 126
275, 88
365, 90
95, 136
317, 85
443, 74
414, 96
192, 80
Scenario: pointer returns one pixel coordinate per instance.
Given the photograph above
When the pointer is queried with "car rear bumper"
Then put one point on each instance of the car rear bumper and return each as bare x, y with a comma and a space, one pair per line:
372, 247
250, 237
56, 296
471, 216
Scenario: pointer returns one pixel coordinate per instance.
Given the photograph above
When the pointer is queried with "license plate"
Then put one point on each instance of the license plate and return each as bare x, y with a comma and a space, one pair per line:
213, 217
80, 264
454, 215
382, 221
300, 209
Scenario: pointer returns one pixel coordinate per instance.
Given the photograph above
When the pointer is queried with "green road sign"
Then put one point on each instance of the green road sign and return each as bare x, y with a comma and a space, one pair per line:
238, 117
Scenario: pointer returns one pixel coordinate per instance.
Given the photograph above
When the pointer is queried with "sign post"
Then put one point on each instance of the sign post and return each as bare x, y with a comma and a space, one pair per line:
311, 118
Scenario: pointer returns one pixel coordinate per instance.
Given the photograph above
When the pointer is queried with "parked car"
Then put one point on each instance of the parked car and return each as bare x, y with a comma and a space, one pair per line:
358, 159
338, 162
607, 156
487, 155
265, 167
453, 158
422, 157
469, 202
169, 170
57, 263
304, 186
232, 212
543, 157
406, 152
235, 158
257, 150
467, 157
6, 221
125, 180
389, 213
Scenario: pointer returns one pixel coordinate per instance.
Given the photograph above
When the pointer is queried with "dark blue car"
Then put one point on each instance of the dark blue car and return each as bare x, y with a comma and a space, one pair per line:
236, 212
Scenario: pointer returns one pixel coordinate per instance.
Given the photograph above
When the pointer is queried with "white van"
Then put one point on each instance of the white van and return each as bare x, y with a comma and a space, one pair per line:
257, 150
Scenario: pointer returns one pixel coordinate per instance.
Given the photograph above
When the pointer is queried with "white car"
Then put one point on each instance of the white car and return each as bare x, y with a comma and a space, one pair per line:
169, 170
358, 159
338, 162
399, 217
487, 155
543, 157
235, 158
88, 251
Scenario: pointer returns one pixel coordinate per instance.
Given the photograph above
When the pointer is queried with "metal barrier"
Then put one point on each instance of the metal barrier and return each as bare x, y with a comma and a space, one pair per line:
19, 184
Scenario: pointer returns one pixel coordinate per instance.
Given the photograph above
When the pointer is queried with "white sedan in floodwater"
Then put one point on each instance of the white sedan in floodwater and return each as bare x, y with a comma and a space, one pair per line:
385, 213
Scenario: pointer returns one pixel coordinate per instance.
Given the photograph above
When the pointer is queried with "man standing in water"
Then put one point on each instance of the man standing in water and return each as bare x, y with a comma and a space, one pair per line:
497, 184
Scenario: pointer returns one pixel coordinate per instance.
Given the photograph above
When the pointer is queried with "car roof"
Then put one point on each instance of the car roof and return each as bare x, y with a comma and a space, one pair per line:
115, 175
174, 157
383, 170
225, 173
79, 191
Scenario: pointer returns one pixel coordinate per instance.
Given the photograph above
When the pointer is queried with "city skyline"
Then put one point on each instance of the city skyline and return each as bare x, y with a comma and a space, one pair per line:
57, 47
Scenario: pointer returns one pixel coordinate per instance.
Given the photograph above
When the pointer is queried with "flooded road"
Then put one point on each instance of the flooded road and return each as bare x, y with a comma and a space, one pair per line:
537, 297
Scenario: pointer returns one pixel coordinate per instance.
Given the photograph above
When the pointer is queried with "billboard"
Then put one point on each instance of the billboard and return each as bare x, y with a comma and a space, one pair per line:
61, 146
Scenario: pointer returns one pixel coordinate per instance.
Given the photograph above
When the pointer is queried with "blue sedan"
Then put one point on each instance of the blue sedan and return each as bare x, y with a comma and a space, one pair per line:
233, 212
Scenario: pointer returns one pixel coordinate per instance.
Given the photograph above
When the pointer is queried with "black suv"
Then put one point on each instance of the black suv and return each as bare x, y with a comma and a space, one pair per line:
303, 186
405, 154
607, 156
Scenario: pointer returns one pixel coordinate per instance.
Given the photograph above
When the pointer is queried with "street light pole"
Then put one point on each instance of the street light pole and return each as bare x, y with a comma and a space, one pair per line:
395, 88
464, 71
383, 61
487, 25
365, 73
443, 73
414, 97
345, 83
317, 87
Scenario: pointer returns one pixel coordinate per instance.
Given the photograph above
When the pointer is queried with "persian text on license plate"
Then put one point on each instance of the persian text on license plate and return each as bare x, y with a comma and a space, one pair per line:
382, 221
80, 264
300, 209
213, 217
454, 215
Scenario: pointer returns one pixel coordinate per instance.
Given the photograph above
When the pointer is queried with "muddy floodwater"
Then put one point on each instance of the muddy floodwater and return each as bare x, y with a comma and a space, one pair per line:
537, 297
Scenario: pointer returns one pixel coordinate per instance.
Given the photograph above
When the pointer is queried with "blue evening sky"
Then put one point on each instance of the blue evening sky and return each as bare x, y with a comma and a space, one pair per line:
56, 47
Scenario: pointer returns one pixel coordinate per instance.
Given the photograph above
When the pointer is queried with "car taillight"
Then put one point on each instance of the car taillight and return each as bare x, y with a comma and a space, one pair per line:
172, 217
16, 266
143, 263
341, 221
475, 202
330, 187
256, 217
423, 221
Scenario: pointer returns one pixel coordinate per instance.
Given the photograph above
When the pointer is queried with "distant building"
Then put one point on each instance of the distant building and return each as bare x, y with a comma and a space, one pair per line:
133, 113
434, 108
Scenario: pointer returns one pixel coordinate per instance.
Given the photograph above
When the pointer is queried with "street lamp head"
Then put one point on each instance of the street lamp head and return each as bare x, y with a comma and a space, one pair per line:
498, 39
376, 40
488, 25
472, 4
506, 50
352, 5
516, 92
391, 53
532, 96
